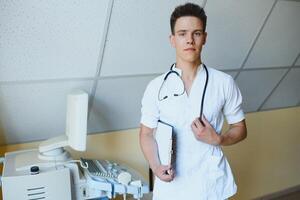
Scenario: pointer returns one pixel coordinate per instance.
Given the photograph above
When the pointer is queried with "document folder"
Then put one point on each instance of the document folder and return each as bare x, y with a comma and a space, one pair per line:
165, 142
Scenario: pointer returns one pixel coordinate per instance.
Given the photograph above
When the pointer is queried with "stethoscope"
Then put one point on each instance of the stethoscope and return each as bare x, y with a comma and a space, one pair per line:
171, 71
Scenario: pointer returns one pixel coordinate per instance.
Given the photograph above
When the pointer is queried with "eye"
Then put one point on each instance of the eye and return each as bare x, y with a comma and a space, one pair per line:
198, 34
181, 33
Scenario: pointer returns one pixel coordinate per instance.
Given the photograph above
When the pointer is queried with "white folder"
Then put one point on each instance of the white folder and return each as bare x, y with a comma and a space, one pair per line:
164, 140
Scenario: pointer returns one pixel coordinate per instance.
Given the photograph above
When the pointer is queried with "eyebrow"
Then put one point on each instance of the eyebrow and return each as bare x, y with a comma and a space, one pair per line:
183, 30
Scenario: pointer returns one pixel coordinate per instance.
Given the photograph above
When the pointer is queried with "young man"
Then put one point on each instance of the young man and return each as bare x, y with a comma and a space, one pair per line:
202, 171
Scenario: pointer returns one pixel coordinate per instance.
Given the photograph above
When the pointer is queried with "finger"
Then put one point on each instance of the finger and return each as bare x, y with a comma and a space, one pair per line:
204, 120
167, 169
198, 123
194, 123
194, 128
206, 123
167, 178
197, 129
170, 177
171, 172
164, 174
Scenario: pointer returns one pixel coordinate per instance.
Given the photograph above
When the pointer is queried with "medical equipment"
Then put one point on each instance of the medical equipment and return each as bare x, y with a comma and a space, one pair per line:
18, 182
172, 71
64, 179
50, 173
122, 179
107, 170
76, 130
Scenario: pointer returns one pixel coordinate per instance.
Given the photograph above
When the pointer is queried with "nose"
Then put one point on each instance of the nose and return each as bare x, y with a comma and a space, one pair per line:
190, 39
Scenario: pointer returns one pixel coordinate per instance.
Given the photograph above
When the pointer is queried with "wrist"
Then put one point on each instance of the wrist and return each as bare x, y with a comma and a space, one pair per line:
220, 139
154, 167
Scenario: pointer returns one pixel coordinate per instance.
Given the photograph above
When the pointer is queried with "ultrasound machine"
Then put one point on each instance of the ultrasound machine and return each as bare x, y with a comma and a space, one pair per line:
50, 173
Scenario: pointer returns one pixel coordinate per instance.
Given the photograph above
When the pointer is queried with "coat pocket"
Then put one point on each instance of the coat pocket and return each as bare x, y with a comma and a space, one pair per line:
216, 177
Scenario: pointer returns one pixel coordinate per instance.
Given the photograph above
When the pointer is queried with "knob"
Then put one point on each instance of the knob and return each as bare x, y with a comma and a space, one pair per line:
34, 170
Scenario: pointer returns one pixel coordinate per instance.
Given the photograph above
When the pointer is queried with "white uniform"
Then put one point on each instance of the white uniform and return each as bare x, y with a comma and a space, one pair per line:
201, 171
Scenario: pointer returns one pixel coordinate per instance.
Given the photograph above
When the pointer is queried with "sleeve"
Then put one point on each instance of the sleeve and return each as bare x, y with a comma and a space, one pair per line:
149, 110
233, 103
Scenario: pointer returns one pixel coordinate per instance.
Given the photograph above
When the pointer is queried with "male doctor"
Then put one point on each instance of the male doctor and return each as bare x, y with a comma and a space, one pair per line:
201, 170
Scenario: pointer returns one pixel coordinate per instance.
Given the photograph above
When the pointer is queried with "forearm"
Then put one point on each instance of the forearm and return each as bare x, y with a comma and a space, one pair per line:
234, 134
149, 148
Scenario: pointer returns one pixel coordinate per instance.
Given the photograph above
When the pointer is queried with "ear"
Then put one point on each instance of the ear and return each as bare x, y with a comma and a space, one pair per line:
204, 38
172, 40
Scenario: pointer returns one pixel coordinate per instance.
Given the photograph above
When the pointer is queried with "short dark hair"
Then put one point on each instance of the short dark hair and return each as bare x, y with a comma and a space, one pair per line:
188, 9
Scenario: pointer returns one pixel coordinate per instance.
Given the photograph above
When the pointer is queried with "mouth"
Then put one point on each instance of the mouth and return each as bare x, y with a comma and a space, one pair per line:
190, 49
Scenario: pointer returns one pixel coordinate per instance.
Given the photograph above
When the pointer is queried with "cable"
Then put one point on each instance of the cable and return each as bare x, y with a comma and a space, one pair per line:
84, 165
203, 95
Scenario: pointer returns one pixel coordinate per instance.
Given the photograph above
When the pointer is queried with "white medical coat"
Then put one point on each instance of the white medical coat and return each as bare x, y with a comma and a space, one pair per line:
201, 171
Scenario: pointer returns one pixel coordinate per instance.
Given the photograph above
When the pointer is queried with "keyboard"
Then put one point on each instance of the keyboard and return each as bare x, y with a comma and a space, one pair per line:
103, 168
114, 178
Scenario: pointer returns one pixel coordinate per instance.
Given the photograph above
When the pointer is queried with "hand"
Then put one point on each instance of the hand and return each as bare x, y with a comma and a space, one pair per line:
205, 133
164, 173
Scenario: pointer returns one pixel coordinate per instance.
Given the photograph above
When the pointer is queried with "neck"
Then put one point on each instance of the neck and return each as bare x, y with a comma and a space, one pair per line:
189, 69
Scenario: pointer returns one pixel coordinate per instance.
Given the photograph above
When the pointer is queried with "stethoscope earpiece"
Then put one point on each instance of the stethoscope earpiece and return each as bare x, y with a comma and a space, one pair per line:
171, 71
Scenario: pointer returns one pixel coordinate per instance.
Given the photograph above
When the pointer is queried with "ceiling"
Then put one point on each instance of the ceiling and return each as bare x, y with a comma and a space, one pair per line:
113, 48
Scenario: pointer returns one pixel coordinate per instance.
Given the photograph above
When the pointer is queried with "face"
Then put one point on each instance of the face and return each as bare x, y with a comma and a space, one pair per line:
188, 38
